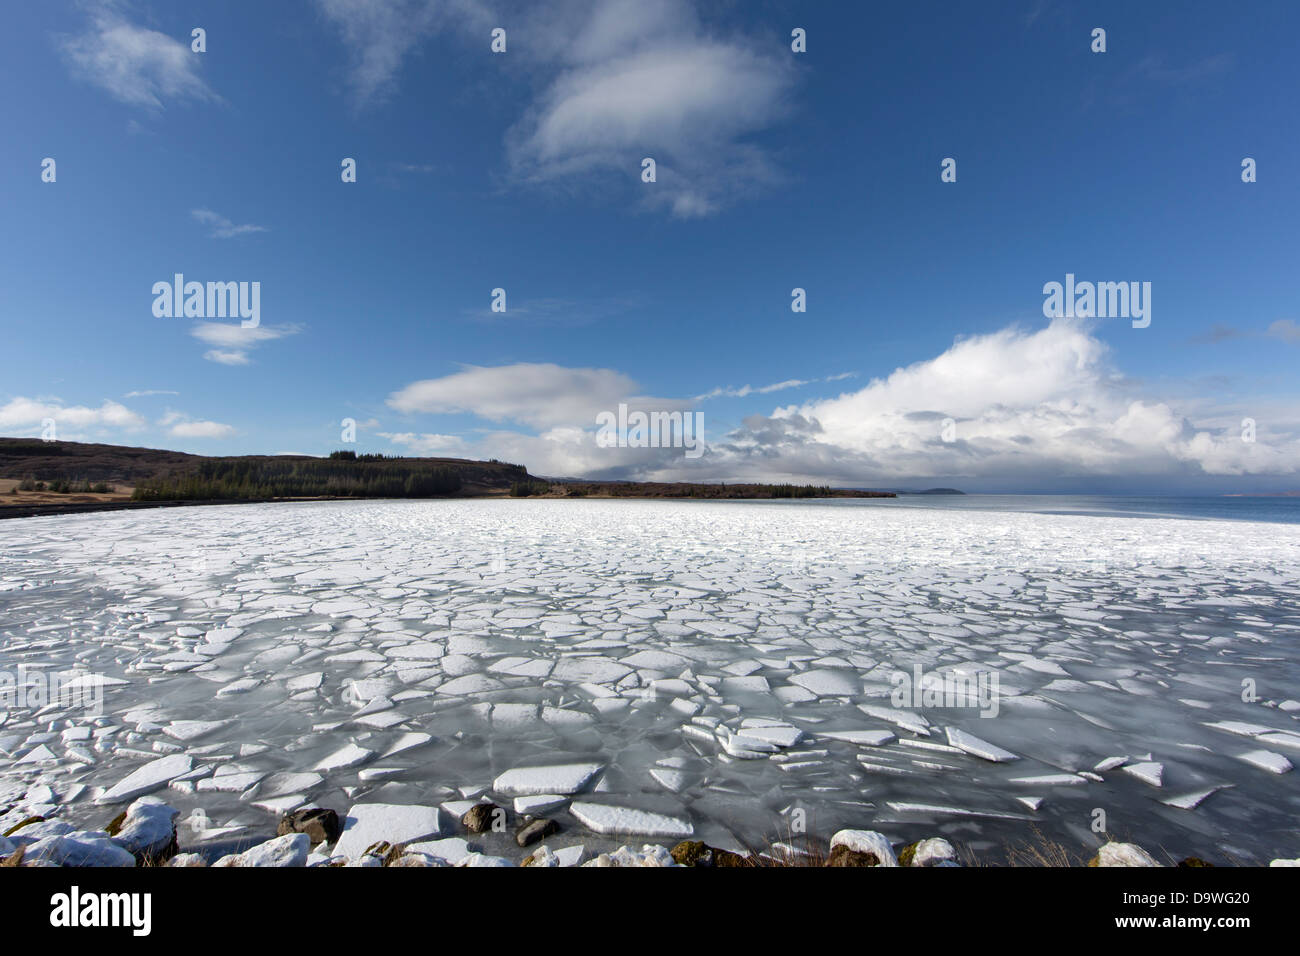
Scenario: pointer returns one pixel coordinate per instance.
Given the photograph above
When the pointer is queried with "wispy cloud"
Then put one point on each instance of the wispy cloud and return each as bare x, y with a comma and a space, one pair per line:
136, 65
613, 81
745, 390
149, 391
540, 395
426, 443
559, 311
380, 34
232, 343
1284, 330
221, 227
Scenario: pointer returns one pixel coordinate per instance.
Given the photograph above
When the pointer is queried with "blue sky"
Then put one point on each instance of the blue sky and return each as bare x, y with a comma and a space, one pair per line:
775, 170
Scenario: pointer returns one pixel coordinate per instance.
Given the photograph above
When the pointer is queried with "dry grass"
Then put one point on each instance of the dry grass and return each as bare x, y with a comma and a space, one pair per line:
1040, 851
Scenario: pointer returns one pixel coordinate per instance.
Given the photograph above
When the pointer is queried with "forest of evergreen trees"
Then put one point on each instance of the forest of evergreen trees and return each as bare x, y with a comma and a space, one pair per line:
343, 474
684, 489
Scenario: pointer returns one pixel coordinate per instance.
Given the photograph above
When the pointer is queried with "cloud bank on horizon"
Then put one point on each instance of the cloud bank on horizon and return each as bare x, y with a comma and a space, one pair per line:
1041, 403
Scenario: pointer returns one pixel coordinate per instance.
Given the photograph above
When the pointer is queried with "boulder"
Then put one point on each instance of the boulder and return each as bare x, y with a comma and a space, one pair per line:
79, 848
929, 852
842, 856
865, 842
1122, 854
536, 830
147, 830
290, 850
319, 823
692, 853
649, 855
478, 818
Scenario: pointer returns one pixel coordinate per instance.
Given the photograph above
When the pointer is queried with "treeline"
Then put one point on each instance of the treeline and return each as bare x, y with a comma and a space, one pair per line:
525, 489
62, 486
18, 448
691, 490
343, 474
656, 489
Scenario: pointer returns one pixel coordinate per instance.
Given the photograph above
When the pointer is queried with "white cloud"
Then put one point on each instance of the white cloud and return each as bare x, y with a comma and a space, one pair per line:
427, 444
232, 341
645, 79
144, 393
227, 357
746, 390
1042, 403
537, 395
201, 430
181, 425
27, 414
1285, 329
1025, 405
223, 228
138, 66
380, 34
613, 81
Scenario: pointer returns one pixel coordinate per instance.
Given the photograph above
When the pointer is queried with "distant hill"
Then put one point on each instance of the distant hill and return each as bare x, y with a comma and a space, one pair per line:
39, 477
934, 491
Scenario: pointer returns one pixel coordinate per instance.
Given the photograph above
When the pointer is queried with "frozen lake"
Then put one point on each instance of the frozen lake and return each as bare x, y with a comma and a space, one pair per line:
732, 667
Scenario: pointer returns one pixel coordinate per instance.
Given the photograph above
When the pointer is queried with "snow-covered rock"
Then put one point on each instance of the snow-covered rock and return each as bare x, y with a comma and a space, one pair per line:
866, 841
149, 829
290, 850
1124, 854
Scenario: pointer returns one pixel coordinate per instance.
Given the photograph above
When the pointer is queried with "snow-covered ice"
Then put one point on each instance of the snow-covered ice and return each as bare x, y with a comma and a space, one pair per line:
653, 668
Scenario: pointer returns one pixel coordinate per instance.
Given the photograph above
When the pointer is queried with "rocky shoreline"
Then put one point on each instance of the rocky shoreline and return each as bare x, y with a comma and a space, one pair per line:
392, 835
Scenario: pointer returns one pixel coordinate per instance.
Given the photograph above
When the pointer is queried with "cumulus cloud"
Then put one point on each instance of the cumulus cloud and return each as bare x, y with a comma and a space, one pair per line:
136, 65
1016, 402
29, 414
643, 78
181, 425
1016, 405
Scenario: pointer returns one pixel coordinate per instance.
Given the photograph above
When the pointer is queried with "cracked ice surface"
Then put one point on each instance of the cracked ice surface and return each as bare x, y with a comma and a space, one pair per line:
697, 665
